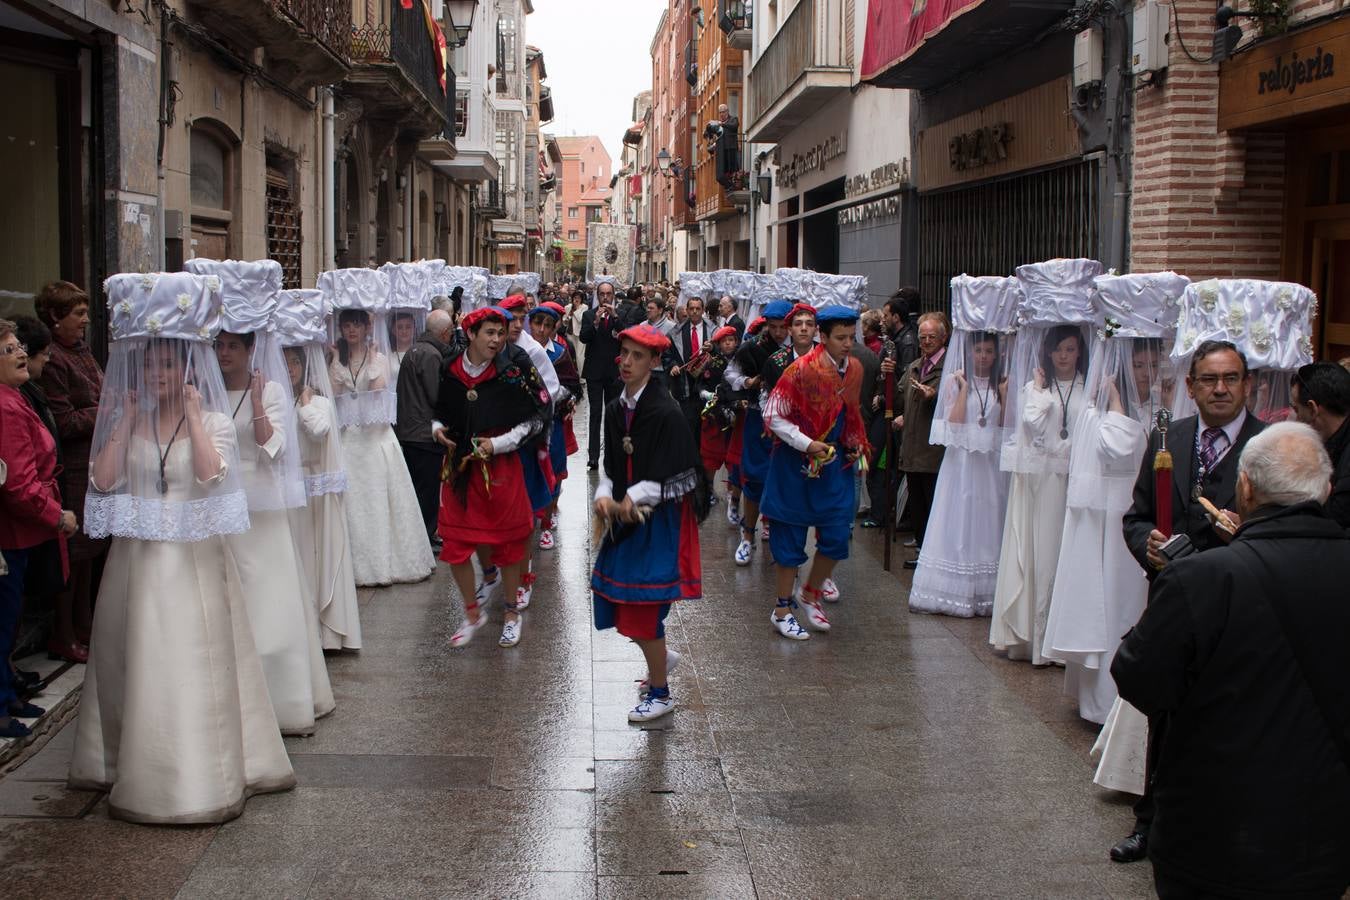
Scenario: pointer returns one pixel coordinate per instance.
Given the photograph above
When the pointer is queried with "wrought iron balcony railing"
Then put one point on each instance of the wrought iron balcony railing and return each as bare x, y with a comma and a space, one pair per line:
400, 37
328, 21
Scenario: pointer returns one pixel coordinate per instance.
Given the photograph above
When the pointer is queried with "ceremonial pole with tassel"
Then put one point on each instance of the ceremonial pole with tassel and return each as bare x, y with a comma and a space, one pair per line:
1162, 476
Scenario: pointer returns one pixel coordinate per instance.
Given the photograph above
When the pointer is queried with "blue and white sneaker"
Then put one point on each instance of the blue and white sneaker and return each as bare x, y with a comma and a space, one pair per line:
733, 514
651, 708
788, 627
745, 551
672, 660
511, 633
486, 587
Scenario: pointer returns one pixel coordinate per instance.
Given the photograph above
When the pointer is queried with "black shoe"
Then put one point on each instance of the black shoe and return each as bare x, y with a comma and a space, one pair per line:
1131, 849
15, 730
911, 564
27, 679
22, 710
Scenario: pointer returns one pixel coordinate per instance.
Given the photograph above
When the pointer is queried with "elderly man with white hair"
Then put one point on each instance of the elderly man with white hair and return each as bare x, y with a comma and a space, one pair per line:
1243, 648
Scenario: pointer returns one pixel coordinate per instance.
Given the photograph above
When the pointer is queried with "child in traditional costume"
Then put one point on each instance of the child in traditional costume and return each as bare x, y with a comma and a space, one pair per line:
649, 501
745, 374
719, 416
814, 414
544, 320
491, 403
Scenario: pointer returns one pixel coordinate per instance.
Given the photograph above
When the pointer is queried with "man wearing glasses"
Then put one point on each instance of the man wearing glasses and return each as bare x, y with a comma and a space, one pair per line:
1205, 450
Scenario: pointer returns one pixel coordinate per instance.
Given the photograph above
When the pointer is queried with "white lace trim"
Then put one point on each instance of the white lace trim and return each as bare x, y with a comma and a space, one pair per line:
326, 483
154, 519
366, 408
954, 588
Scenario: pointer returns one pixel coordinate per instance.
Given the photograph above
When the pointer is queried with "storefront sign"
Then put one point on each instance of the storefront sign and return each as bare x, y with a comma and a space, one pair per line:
880, 177
885, 208
1024, 131
1288, 77
813, 160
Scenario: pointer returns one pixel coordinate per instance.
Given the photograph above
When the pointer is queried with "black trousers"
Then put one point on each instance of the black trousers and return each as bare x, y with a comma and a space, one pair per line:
922, 487
599, 391
424, 467
876, 476
693, 415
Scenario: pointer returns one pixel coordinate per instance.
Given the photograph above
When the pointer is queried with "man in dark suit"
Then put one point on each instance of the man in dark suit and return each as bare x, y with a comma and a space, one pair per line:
685, 344
1320, 396
1242, 649
726, 310
1205, 450
919, 459
600, 329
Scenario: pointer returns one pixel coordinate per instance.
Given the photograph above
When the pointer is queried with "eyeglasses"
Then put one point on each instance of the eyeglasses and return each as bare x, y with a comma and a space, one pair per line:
11, 349
1210, 382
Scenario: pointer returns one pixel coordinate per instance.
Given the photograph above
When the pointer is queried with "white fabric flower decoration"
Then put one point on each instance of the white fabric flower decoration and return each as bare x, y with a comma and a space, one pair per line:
1284, 298
1305, 345
204, 333
153, 325
1187, 341
147, 282
213, 284
1261, 337
124, 307
1209, 295
1237, 320
184, 302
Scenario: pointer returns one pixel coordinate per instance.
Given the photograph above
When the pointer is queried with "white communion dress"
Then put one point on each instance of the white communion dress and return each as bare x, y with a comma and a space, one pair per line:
958, 566
388, 540
175, 719
320, 529
285, 624
1034, 524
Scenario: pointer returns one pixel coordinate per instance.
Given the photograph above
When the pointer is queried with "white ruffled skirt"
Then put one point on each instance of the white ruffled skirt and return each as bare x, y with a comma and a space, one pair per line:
388, 539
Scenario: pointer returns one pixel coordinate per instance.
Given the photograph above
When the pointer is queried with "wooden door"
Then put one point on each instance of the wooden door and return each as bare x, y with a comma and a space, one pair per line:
1330, 280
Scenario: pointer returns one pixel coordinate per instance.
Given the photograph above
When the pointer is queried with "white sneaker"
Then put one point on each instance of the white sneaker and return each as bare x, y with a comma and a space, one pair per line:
485, 589
815, 615
468, 629
651, 708
546, 539
523, 595
788, 627
511, 633
829, 591
745, 551
733, 514
672, 660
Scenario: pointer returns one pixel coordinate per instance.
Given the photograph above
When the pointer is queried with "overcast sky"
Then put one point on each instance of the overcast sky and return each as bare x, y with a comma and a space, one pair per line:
598, 56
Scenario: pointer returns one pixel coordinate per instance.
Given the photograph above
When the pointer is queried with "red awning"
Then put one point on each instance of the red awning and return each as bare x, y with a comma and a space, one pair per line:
897, 28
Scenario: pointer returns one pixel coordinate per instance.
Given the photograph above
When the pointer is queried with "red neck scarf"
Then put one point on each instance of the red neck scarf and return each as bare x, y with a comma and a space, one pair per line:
816, 393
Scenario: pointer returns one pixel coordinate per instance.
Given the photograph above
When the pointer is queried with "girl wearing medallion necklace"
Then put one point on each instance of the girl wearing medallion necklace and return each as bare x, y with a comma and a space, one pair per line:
1051, 402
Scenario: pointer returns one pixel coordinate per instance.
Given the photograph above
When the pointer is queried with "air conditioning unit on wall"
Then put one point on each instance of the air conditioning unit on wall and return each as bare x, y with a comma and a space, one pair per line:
1150, 29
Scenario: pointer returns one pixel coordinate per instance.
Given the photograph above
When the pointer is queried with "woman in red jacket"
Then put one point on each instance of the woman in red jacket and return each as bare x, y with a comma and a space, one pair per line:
30, 511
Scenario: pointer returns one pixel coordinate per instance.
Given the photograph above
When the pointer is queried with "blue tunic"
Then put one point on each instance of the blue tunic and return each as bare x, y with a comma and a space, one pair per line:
755, 449
789, 496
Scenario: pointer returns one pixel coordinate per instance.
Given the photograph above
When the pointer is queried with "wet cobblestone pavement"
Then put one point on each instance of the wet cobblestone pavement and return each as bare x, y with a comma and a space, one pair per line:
897, 756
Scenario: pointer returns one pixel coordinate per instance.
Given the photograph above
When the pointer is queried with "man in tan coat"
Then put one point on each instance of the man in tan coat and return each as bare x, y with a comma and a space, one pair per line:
919, 459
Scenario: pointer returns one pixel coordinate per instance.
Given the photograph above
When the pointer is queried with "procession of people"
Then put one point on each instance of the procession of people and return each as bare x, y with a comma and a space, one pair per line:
255, 455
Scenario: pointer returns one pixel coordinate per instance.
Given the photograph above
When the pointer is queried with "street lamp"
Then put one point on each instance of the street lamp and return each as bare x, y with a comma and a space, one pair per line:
663, 161
461, 18
765, 184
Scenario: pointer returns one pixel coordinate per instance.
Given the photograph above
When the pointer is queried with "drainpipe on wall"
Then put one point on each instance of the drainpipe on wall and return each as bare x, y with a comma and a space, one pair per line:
409, 192
329, 186
164, 79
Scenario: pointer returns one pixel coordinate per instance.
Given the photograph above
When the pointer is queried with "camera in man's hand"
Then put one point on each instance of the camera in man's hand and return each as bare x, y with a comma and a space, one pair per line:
1175, 547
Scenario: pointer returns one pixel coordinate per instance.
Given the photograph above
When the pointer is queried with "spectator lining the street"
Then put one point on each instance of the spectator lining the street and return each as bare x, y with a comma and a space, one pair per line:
1321, 399
921, 460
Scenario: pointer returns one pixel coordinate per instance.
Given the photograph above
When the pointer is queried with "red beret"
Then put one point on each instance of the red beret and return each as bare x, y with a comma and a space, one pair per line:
801, 308
556, 307
478, 315
756, 325
647, 336
515, 301
725, 331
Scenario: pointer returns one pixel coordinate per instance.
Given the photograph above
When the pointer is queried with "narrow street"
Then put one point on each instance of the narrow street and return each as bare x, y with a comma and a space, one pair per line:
896, 756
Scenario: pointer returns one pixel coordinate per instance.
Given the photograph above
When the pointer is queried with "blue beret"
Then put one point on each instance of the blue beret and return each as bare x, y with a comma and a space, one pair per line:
836, 314
776, 309
506, 313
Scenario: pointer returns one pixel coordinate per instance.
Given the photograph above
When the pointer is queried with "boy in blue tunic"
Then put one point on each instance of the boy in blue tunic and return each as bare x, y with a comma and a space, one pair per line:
648, 504
817, 424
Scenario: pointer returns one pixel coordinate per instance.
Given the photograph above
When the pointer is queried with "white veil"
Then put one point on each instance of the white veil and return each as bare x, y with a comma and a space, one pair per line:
300, 328
163, 399
358, 301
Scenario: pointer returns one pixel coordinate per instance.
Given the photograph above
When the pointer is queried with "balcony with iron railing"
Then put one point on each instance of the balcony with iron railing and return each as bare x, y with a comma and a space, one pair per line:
723, 184
441, 147
304, 42
807, 64
736, 19
397, 69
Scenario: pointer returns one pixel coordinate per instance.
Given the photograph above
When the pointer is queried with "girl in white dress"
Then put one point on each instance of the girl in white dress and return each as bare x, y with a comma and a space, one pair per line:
175, 720
285, 625
959, 562
1099, 587
1046, 397
384, 523
319, 528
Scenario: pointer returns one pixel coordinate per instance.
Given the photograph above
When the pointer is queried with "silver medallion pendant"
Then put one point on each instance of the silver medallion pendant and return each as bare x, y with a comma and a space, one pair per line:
1064, 434
983, 421
1196, 493
471, 396
627, 445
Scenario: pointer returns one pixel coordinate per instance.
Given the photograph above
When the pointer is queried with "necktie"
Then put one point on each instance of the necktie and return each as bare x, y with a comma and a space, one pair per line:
693, 341
926, 367
1213, 442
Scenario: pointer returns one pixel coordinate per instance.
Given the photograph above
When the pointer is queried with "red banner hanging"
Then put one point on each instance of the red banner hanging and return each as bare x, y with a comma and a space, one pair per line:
896, 28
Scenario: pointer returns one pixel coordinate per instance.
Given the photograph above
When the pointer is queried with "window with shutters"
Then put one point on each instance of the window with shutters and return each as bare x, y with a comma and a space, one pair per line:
283, 223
